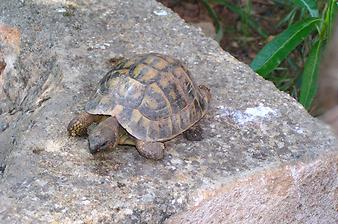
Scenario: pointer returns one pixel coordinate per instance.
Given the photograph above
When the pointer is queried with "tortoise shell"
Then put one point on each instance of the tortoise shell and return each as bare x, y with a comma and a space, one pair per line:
152, 96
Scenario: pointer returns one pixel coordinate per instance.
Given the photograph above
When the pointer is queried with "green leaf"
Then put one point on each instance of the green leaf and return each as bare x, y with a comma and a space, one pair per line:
308, 87
329, 17
280, 47
217, 23
309, 5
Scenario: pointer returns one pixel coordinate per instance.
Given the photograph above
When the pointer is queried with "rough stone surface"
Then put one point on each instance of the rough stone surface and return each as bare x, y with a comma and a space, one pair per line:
263, 158
296, 193
9, 50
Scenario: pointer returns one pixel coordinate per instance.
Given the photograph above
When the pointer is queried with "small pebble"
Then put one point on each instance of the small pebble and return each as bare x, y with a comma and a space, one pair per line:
61, 10
3, 126
160, 12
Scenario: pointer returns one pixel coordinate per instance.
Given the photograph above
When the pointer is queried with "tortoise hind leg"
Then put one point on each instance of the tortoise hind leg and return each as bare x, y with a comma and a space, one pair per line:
195, 133
150, 150
78, 125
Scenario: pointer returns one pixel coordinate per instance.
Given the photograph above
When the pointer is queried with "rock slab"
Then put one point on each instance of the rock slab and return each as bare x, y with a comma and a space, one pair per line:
263, 159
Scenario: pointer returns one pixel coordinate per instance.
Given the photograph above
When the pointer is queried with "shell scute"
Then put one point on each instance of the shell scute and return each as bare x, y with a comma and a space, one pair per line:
154, 105
157, 63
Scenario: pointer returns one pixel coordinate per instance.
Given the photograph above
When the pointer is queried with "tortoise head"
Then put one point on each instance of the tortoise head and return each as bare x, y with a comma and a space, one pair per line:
205, 92
104, 136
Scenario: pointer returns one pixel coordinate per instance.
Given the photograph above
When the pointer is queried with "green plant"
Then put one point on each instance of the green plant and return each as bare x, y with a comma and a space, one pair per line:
243, 12
272, 54
297, 49
216, 20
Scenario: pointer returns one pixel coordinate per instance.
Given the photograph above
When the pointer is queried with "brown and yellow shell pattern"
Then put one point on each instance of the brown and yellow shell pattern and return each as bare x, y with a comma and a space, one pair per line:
152, 96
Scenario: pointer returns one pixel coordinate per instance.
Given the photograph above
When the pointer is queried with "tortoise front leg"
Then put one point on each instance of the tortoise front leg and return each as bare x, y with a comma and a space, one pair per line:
78, 125
150, 150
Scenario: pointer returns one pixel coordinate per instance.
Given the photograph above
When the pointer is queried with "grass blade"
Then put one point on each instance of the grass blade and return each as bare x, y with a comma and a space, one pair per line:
245, 17
309, 5
308, 87
288, 18
278, 49
235, 9
213, 15
330, 16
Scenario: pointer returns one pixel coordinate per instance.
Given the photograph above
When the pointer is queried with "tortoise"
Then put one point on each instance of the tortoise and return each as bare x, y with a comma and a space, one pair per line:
143, 101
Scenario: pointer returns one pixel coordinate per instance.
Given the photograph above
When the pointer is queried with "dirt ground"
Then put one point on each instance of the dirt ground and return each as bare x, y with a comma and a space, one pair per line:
241, 41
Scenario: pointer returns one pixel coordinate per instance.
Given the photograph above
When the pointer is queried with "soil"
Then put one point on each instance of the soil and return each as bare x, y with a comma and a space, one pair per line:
241, 41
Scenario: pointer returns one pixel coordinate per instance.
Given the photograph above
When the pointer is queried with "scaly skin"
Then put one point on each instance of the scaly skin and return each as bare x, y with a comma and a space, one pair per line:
105, 136
150, 150
78, 125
